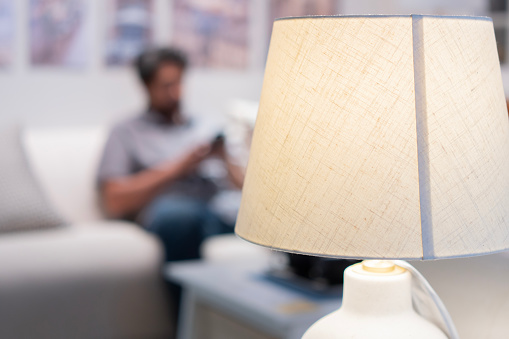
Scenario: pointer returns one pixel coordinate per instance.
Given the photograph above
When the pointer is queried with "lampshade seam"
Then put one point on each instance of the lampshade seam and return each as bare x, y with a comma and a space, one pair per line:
422, 138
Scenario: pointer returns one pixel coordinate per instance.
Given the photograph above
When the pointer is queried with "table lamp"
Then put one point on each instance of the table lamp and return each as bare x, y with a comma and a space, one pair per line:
379, 137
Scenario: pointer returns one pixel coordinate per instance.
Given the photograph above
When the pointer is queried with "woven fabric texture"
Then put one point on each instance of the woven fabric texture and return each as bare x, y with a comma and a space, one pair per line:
23, 206
380, 137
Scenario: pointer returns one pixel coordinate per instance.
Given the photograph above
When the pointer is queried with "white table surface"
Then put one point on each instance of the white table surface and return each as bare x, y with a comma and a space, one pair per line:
241, 291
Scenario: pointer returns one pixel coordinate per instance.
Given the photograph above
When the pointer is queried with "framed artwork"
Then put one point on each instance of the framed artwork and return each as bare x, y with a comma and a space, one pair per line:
284, 8
214, 33
129, 30
498, 12
7, 26
58, 34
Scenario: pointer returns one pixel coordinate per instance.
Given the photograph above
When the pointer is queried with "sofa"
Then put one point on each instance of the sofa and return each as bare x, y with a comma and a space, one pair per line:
91, 278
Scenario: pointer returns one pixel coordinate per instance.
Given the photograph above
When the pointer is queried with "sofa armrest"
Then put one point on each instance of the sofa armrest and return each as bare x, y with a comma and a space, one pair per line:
75, 252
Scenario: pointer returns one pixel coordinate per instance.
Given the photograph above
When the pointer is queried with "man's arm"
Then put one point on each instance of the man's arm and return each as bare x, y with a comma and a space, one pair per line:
128, 194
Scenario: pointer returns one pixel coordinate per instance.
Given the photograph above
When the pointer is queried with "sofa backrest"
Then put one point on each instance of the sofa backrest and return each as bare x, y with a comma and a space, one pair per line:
65, 160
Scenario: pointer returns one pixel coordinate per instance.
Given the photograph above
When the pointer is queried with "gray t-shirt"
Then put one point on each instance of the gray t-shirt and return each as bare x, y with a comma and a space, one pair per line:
147, 141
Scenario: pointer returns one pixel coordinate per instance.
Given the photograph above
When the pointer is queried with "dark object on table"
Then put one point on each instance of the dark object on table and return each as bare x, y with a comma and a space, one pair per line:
314, 276
327, 270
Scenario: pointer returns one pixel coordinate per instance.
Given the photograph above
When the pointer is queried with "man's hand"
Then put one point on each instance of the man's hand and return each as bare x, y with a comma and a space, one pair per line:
188, 163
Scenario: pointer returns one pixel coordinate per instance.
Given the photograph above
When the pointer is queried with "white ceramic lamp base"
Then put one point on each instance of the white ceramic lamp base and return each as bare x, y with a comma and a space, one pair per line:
377, 303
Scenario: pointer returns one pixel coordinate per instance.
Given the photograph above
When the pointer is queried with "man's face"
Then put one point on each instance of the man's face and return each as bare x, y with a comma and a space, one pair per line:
165, 89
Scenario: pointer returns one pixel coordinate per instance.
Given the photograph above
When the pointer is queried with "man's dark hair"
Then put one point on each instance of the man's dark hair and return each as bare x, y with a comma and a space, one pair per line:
148, 62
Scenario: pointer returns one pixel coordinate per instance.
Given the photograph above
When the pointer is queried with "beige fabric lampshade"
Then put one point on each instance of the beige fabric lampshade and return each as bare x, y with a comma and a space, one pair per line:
380, 137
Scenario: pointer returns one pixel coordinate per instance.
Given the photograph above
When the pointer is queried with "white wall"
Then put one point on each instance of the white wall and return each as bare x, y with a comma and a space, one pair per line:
97, 94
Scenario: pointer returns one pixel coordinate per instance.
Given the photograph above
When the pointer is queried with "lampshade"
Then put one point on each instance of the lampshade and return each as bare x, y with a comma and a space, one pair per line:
380, 137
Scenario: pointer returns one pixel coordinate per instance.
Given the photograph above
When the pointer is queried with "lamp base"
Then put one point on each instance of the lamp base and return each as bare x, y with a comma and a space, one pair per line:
377, 303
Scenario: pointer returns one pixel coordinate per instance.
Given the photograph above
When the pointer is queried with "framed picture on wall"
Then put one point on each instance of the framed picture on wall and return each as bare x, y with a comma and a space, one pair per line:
285, 8
214, 33
498, 12
7, 27
129, 29
58, 33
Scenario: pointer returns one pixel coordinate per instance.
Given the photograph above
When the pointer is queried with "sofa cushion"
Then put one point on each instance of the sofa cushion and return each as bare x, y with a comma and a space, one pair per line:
64, 159
22, 204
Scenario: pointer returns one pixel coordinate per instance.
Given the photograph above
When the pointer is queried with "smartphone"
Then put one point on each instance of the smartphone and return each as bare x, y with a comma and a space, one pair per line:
217, 141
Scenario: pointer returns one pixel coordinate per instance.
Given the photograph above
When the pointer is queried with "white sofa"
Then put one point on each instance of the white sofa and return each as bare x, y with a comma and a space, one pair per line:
90, 279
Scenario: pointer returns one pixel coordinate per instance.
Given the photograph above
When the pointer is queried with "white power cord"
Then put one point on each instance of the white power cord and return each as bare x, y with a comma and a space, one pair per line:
427, 303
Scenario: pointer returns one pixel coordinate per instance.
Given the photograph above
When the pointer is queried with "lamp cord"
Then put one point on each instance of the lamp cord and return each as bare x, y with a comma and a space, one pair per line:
422, 286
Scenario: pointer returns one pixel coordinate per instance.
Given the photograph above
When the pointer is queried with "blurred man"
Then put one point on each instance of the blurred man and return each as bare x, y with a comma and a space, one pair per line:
149, 170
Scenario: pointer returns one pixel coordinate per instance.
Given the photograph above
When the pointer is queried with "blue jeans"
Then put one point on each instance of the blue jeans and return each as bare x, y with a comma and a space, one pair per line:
182, 224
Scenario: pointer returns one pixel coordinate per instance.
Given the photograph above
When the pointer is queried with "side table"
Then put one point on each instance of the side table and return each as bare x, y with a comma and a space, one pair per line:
235, 300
